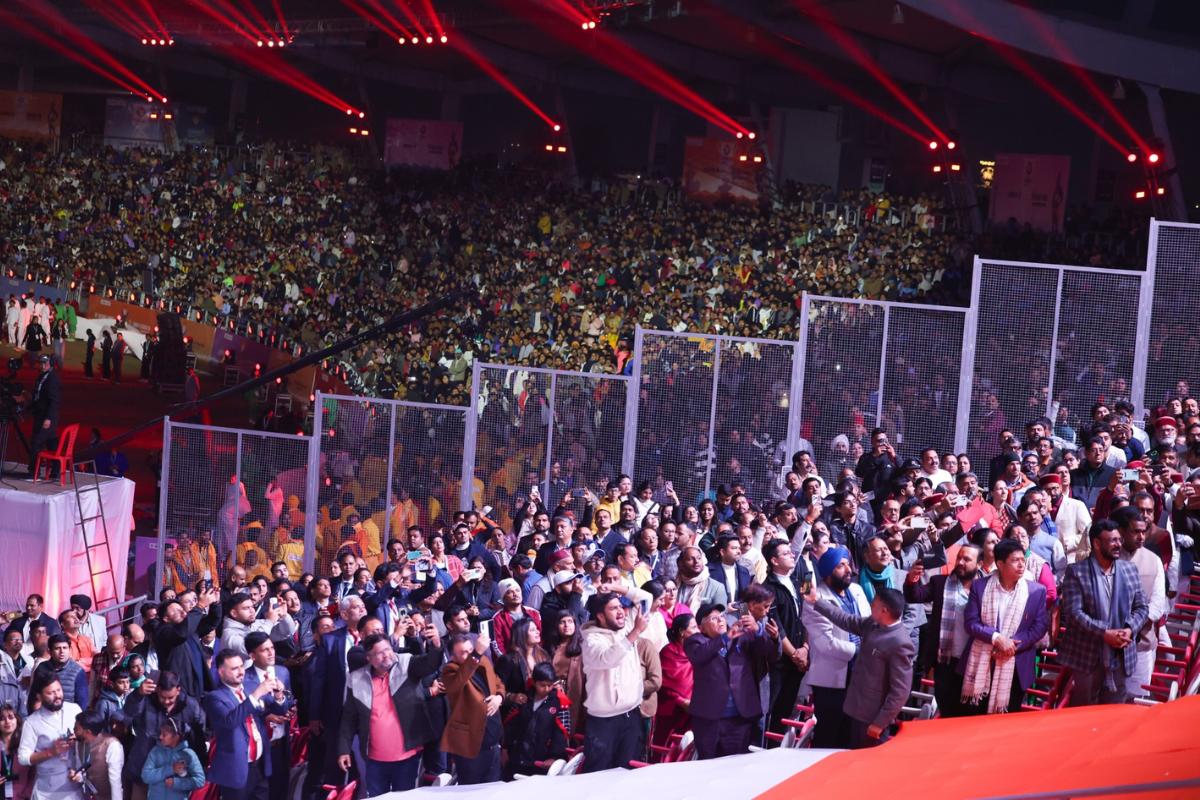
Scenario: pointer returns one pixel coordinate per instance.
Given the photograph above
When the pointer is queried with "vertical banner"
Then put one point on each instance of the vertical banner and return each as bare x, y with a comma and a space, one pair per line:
713, 170
30, 115
425, 143
1030, 189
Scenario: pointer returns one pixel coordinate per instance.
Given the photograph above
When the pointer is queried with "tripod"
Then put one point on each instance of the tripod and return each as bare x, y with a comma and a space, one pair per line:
8, 425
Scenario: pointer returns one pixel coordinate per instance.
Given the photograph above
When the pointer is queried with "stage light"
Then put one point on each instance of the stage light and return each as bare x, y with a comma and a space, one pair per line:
739, 134
557, 128
365, 132
354, 130
562, 149
415, 40
271, 43
1161, 191
951, 145
400, 40
584, 26
1153, 158
592, 24
281, 43
428, 40
153, 116
937, 167
741, 158
144, 41
955, 167
349, 111
278, 381
172, 42
260, 42
549, 148
362, 115
758, 159
187, 340
1131, 158
445, 38
933, 145
1140, 194
751, 134
168, 116
163, 99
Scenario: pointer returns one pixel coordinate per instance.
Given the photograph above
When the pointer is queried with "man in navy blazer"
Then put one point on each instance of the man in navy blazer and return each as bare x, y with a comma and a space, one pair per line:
237, 716
1021, 644
728, 664
327, 692
726, 570
262, 667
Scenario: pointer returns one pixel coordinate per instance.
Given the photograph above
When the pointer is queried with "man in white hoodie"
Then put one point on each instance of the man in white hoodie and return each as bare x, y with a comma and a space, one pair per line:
613, 671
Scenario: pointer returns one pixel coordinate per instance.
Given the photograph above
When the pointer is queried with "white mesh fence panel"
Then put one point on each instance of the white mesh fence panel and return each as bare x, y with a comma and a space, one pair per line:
1173, 346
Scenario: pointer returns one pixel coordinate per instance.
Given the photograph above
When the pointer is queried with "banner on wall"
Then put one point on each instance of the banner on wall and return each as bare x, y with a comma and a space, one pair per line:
1031, 189
424, 143
129, 122
712, 170
30, 115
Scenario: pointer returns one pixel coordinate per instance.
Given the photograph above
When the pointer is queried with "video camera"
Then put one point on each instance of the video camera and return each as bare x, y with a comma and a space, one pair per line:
10, 391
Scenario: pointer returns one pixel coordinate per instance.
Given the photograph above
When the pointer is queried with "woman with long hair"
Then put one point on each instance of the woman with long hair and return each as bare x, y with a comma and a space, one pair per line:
21, 777
523, 652
568, 662
675, 694
985, 539
999, 498
448, 565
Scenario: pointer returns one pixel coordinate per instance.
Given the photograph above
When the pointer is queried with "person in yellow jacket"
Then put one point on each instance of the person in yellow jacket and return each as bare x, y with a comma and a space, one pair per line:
291, 550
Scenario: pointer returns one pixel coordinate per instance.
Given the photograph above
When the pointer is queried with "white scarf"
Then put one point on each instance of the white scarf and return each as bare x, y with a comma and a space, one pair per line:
695, 588
982, 676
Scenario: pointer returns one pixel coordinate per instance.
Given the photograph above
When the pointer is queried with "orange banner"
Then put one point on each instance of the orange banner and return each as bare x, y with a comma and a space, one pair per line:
30, 115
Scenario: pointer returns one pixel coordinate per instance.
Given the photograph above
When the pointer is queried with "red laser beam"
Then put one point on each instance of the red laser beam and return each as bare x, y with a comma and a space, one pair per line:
261, 21
770, 43
237, 14
228, 22
853, 49
153, 16
433, 17
617, 55
128, 25
72, 53
81, 40
970, 23
378, 8
571, 11
1067, 58
477, 58
408, 13
282, 20
403, 34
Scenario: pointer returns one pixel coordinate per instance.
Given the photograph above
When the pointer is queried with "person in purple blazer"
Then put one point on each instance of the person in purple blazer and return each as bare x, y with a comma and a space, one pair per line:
728, 663
1005, 618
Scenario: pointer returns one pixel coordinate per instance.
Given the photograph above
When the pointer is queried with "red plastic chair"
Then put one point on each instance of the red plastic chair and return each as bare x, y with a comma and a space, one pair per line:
64, 457
341, 792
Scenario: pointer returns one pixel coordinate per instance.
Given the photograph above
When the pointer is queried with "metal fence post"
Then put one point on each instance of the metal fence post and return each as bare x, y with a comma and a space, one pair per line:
883, 348
313, 481
163, 495
712, 416
470, 441
1141, 350
1053, 352
633, 396
391, 467
549, 443
966, 374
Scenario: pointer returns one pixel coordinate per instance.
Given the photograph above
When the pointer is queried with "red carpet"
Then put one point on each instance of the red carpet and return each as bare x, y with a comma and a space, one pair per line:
1015, 754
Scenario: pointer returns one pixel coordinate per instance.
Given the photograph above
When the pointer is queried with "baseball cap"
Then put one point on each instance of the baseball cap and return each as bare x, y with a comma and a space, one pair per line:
564, 576
706, 609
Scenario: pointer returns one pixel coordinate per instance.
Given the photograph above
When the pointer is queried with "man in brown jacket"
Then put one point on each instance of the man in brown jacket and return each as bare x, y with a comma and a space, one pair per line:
473, 731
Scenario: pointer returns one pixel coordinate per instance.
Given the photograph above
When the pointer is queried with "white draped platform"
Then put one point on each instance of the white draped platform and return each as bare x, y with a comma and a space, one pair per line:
41, 547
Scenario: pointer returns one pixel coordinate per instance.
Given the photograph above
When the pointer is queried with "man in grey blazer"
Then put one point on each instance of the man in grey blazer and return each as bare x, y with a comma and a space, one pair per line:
882, 676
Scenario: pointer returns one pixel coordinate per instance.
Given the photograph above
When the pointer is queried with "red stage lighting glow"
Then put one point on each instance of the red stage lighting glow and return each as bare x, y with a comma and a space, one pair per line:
259, 42
1131, 158
739, 134
933, 145
951, 145
562, 149
955, 167
557, 128
1160, 191
365, 132
549, 148
445, 38
741, 158
1140, 194
428, 40
1153, 158
354, 130
415, 40
362, 115
758, 159
478, 59
937, 167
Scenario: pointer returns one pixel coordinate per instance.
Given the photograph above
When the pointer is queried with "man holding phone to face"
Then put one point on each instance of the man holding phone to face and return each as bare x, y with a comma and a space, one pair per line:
239, 621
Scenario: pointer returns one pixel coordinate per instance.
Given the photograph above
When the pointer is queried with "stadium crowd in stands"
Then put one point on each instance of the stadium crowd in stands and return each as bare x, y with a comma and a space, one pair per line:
618, 612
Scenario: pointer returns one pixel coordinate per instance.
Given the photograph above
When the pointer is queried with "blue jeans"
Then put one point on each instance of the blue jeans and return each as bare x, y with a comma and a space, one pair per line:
392, 776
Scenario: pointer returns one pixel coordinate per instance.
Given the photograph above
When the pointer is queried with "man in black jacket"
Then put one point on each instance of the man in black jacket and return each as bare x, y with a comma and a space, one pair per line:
877, 466
44, 403
1092, 476
390, 741
177, 640
787, 581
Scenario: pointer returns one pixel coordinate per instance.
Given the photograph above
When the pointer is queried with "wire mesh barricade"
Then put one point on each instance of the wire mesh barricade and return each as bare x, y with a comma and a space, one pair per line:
712, 411
1172, 340
1050, 341
230, 497
383, 466
541, 437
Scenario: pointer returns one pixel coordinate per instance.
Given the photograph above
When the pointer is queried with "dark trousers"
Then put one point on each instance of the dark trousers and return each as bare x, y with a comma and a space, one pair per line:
392, 776
42, 439
727, 736
87, 364
785, 685
483, 768
256, 787
1016, 696
1089, 689
116, 365
833, 726
281, 768
947, 688
612, 741
858, 735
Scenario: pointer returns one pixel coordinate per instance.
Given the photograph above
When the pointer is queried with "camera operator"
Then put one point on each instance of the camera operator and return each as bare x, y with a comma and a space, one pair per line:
44, 402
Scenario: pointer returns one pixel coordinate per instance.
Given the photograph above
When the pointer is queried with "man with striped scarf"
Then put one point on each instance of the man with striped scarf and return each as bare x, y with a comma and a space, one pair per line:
949, 594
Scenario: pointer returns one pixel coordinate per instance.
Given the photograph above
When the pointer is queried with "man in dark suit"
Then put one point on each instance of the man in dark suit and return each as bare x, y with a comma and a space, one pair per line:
949, 595
327, 693
1006, 617
240, 767
882, 676
44, 403
728, 662
34, 609
786, 578
1103, 609
1093, 475
261, 669
726, 570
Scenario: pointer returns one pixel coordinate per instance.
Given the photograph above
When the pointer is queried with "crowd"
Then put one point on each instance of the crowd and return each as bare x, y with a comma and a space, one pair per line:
609, 620
315, 248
